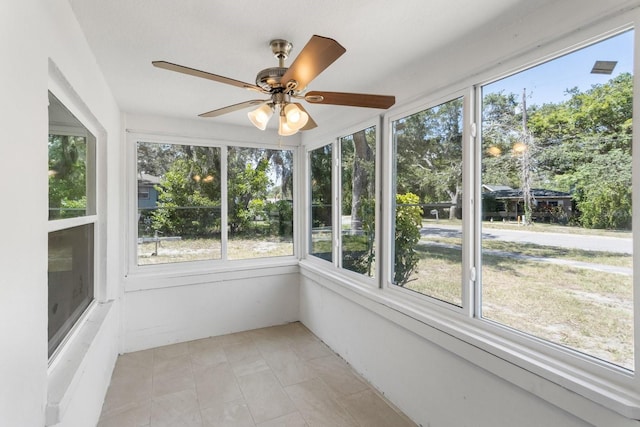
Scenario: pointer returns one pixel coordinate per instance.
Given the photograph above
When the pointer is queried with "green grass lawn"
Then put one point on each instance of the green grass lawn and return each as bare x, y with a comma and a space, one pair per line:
586, 310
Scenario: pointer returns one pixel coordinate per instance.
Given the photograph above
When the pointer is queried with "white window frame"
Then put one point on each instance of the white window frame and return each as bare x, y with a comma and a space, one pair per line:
336, 195
407, 295
178, 273
93, 204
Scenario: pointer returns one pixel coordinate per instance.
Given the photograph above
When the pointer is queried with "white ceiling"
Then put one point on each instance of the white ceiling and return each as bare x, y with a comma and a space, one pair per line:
231, 38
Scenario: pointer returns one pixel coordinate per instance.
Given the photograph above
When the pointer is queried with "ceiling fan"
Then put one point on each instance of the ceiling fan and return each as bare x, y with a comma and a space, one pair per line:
283, 84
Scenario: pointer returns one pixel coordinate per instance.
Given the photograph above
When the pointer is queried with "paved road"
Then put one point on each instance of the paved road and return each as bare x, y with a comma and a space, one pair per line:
577, 241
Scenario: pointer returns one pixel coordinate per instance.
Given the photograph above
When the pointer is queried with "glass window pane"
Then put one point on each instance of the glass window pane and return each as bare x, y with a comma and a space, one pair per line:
321, 215
260, 202
358, 177
179, 203
556, 201
71, 159
428, 205
70, 279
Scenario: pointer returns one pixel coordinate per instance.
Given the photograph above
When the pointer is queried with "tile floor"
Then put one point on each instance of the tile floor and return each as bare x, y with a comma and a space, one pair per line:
278, 376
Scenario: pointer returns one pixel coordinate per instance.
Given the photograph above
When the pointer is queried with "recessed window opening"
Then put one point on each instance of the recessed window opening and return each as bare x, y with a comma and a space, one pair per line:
180, 203
72, 212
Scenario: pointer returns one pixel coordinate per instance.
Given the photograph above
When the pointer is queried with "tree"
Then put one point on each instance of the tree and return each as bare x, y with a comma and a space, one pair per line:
429, 154
189, 195
587, 150
67, 175
500, 133
579, 144
603, 191
247, 186
320, 165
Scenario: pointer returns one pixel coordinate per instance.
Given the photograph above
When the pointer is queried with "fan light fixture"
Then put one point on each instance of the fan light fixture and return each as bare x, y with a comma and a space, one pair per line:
291, 119
284, 83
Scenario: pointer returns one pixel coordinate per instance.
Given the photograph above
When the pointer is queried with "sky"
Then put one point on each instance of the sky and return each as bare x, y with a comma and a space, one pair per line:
548, 82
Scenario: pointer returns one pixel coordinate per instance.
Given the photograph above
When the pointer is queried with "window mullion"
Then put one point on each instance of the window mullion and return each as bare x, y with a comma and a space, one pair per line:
336, 195
224, 204
469, 270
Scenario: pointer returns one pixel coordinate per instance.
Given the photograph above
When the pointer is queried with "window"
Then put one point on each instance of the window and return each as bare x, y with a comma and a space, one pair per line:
72, 215
181, 200
320, 161
354, 236
358, 201
182, 223
428, 202
556, 203
260, 202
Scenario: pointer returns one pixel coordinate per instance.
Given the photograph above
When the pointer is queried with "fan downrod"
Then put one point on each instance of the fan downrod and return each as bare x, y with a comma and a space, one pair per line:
281, 49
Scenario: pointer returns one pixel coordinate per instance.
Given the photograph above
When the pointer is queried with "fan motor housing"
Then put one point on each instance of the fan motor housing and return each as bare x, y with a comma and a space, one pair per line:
269, 78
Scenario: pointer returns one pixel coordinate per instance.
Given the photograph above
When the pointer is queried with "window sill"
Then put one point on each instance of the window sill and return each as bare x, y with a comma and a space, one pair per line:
167, 275
563, 384
68, 365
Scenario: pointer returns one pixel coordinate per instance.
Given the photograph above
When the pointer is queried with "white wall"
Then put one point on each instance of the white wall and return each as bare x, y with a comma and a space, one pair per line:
213, 306
31, 33
433, 386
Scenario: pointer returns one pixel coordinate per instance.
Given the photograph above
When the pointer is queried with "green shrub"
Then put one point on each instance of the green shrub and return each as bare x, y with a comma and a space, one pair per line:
408, 225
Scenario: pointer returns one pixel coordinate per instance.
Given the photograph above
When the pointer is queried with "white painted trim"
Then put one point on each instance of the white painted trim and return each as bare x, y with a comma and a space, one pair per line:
65, 371
170, 278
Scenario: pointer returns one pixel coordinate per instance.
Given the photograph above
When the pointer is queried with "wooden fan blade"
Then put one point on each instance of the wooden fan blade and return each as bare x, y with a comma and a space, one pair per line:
315, 57
310, 123
203, 74
350, 99
232, 108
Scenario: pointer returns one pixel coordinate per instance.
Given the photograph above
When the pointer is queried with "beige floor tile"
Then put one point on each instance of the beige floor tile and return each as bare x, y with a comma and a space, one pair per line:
176, 409
123, 395
318, 405
216, 384
249, 365
278, 359
309, 348
171, 351
371, 410
176, 365
236, 338
241, 350
137, 415
295, 372
229, 414
291, 420
173, 382
204, 344
208, 356
133, 366
272, 343
337, 375
265, 396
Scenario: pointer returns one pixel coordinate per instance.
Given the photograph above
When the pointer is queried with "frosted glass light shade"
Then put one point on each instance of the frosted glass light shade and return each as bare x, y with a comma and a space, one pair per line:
260, 116
296, 118
284, 129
